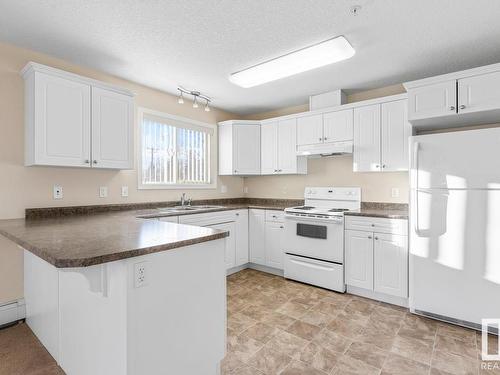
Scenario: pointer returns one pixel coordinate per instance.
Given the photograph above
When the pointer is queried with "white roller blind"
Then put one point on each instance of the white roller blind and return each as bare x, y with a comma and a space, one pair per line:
174, 152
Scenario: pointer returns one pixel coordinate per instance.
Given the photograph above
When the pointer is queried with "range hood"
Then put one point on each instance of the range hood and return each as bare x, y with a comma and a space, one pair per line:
325, 149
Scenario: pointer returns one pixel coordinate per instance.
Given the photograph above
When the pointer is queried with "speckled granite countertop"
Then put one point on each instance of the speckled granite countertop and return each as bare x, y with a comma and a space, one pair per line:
384, 210
83, 241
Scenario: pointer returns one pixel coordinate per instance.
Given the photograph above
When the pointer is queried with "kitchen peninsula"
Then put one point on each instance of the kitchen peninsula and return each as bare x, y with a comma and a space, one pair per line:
112, 293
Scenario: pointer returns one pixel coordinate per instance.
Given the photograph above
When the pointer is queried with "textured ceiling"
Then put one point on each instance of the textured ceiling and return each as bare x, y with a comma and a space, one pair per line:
197, 44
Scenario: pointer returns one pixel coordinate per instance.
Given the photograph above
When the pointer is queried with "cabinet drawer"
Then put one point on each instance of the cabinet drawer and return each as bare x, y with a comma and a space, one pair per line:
312, 271
208, 218
377, 224
274, 215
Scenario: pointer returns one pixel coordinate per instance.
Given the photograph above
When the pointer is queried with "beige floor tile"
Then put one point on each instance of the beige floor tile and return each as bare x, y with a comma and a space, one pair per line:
305, 330
453, 363
240, 322
346, 327
278, 320
243, 347
460, 333
269, 361
331, 308
258, 313
350, 366
367, 353
420, 323
261, 332
417, 334
316, 318
287, 343
246, 370
397, 365
381, 338
359, 306
300, 368
230, 363
455, 346
293, 309
412, 348
332, 341
492, 343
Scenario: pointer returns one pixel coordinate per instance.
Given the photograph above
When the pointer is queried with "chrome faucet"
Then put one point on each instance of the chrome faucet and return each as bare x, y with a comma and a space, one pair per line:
185, 201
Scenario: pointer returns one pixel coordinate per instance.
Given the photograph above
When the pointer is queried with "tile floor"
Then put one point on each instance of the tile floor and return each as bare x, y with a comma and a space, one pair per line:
276, 326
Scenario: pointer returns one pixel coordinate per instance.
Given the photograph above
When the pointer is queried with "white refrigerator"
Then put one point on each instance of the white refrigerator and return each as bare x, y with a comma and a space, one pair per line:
454, 264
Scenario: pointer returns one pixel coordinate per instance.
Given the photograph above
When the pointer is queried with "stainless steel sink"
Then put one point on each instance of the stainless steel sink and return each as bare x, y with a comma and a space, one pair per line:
186, 208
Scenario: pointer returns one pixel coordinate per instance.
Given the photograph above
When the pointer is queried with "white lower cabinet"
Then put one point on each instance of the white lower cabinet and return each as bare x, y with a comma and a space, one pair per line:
230, 252
376, 261
266, 238
256, 226
274, 244
241, 240
359, 259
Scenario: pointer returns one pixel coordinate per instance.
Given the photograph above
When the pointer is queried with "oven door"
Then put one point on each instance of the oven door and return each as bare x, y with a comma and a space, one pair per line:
315, 238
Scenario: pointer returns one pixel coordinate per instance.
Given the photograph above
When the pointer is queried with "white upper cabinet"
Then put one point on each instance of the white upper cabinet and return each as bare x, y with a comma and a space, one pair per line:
479, 93
310, 129
269, 147
468, 97
367, 138
72, 121
239, 148
394, 136
338, 126
434, 100
57, 121
279, 148
112, 130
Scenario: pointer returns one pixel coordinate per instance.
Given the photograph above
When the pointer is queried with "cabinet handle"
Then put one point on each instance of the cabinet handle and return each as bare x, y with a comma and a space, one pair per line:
452, 108
369, 237
274, 217
95, 161
281, 226
462, 106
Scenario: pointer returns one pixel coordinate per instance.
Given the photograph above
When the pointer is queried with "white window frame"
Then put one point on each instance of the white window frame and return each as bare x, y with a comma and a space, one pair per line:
211, 152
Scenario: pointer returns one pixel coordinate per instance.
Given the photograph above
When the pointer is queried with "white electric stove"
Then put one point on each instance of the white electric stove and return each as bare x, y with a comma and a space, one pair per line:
314, 236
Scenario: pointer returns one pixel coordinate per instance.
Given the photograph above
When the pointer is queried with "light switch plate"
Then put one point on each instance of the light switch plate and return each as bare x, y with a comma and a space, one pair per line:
103, 191
395, 192
124, 191
58, 192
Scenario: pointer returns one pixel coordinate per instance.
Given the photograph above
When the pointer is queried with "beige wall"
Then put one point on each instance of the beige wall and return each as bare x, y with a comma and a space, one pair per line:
332, 171
22, 187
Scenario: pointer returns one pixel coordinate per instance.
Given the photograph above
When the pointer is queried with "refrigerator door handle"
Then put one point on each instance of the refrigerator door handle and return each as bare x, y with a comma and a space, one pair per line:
414, 173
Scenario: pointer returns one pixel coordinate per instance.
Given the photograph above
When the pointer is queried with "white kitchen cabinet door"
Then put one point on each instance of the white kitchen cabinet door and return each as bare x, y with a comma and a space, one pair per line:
359, 259
391, 264
230, 243
396, 131
287, 146
433, 100
112, 129
246, 149
366, 156
274, 244
338, 126
269, 147
479, 93
241, 234
256, 236
169, 219
310, 130
57, 121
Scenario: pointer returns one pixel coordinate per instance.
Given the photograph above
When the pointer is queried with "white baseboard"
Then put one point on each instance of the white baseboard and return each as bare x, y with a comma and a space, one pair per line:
12, 312
271, 270
236, 269
400, 301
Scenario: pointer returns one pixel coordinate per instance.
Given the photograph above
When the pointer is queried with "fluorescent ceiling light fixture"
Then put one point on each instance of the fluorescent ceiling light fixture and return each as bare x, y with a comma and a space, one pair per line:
321, 54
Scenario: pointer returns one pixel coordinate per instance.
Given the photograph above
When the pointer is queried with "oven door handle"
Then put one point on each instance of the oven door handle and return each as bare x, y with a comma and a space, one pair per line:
339, 220
310, 265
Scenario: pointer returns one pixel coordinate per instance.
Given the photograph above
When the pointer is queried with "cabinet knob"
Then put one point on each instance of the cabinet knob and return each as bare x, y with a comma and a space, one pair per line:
376, 237
325, 138
320, 139
280, 170
372, 225
462, 106
235, 171
237, 214
275, 170
369, 237
452, 108
87, 161
95, 161
281, 226
377, 166
383, 165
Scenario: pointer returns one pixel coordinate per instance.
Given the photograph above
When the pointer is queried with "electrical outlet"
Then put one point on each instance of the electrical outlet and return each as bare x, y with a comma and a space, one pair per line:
103, 191
58, 192
395, 192
140, 274
124, 191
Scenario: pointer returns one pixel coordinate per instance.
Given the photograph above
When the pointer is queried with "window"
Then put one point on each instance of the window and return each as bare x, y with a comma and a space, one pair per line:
175, 152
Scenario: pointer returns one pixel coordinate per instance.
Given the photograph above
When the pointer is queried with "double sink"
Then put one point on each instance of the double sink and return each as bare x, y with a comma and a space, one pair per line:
168, 210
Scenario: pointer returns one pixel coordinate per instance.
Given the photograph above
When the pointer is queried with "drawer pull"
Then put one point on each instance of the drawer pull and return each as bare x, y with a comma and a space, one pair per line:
373, 225
311, 265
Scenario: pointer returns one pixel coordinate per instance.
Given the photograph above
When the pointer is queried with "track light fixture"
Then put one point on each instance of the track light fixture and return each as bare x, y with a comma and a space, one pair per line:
196, 96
